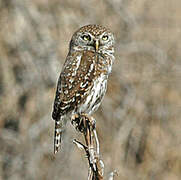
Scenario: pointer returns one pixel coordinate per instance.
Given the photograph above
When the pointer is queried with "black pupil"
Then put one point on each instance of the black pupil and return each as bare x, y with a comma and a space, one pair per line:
87, 37
105, 37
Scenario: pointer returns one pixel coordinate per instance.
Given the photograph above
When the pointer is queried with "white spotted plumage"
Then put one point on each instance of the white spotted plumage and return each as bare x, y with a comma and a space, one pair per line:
83, 80
98, 90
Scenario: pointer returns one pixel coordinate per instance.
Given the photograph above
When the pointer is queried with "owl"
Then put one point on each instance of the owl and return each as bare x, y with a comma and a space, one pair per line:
83, 80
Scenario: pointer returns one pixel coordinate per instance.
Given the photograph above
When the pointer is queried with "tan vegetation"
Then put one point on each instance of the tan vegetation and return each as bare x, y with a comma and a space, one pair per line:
139, 121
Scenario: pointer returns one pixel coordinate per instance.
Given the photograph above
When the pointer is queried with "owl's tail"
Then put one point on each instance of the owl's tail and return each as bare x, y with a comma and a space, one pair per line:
57, 136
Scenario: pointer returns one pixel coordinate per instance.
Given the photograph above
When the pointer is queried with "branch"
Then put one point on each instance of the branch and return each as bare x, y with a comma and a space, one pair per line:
87, 126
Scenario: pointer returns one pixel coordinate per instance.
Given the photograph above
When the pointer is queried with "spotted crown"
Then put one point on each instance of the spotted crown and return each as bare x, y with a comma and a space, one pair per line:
95, 30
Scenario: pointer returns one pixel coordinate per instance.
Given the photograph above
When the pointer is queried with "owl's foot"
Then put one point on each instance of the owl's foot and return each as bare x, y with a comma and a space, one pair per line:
76, 122
89, 118
80, 122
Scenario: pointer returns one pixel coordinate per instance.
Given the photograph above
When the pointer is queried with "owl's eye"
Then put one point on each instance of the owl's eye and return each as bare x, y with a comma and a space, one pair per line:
86, 37
105, 37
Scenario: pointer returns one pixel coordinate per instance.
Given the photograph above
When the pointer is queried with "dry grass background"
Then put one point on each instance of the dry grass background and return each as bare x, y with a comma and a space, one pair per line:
139, 121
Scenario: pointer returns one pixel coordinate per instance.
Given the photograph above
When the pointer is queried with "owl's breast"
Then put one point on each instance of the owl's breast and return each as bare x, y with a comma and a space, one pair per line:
83, 83
104, 63
94, 96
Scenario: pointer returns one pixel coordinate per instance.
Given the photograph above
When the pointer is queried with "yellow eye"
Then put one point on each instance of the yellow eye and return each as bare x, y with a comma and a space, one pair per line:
86, 37
105, 38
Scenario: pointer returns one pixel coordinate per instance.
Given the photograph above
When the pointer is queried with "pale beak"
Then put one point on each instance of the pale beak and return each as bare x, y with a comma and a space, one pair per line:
97, 45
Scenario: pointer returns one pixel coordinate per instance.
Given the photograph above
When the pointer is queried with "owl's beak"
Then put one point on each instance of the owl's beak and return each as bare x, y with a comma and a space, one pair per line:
96, 45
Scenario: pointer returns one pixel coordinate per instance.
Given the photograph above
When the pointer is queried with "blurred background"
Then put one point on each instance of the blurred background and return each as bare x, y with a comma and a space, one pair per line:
139, 121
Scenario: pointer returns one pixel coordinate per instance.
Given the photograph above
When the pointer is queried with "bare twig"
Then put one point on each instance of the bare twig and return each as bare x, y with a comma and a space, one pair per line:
87, 125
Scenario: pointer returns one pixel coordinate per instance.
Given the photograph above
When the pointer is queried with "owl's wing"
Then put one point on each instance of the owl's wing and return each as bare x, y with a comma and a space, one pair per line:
74, 83
56, 110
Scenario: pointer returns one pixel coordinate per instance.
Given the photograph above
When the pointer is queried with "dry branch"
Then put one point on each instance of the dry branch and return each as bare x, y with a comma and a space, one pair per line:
87, 126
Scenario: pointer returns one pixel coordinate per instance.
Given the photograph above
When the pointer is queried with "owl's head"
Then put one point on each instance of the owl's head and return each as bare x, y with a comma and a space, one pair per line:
94, 38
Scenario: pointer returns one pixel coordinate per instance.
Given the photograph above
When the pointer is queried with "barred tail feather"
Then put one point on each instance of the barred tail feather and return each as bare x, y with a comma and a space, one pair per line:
57, 136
